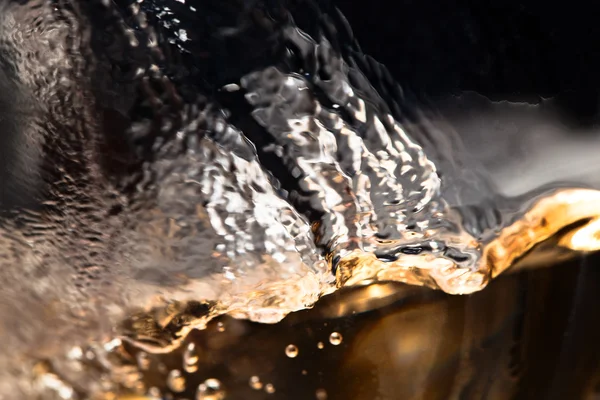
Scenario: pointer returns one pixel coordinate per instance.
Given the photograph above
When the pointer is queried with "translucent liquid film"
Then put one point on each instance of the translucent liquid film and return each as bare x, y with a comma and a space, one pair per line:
161, 176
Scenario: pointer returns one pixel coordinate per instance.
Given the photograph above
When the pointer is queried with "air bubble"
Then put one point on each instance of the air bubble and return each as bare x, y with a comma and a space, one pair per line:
335, 338
143, 360
190, 359
255, 383
154, 393
269, 388
176, 381
210, 390
291, 351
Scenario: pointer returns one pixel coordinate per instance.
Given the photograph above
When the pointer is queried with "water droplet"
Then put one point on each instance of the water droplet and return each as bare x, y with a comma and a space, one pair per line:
190, 359
291, 351
220, 327
321, 394
335, 338
176, 381
320, 345
143, 360
255, 383
269, 388
210, 390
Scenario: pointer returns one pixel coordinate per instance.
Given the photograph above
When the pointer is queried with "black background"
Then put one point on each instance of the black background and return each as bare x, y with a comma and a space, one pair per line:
504, 49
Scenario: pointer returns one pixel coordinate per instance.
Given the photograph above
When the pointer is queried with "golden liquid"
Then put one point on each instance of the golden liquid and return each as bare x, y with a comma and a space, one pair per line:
175, 266
389, 341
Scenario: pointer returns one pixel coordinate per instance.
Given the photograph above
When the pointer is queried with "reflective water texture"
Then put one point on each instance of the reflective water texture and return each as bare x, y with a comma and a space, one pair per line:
165, 163
406, 342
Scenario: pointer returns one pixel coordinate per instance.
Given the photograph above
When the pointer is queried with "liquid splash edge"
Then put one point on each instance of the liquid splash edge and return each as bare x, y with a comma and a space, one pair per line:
190, 202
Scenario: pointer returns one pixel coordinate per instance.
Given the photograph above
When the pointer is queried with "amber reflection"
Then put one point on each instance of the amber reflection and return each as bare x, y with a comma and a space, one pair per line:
530, 335
542, 219
548, 216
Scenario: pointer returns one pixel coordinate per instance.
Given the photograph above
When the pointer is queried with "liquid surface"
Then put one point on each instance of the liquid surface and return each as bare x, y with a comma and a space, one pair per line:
160, 176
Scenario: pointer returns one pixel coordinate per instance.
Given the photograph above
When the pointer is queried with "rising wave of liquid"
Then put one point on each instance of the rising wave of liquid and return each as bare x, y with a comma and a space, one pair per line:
245, 164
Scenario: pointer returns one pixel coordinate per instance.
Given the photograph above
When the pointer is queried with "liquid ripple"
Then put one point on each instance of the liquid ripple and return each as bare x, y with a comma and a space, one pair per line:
247, 167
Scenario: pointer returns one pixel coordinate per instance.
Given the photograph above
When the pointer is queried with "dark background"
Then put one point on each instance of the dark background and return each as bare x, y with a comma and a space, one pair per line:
504, 49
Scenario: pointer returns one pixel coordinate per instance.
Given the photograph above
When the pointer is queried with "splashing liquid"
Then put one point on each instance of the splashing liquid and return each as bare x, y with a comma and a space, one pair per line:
248, 168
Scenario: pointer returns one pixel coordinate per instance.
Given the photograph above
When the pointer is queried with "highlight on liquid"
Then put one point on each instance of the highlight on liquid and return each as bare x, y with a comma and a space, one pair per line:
183, 178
